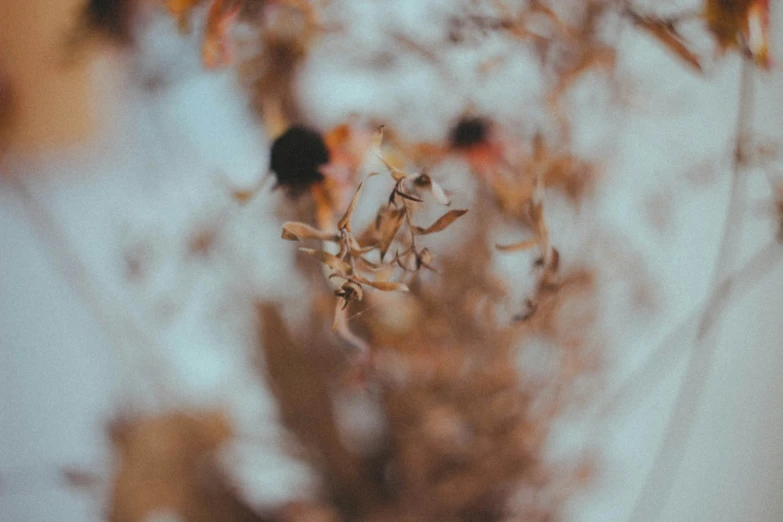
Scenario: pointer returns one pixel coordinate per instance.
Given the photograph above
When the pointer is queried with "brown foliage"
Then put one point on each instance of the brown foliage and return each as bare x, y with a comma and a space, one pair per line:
168, 463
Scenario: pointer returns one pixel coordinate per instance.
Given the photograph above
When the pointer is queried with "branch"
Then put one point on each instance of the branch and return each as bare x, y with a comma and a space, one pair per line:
661, 477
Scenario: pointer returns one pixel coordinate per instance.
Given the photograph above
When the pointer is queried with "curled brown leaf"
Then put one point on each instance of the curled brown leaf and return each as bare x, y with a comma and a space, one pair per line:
444, 221
516, 247
330, 260
388, 226
386, 286
295, 231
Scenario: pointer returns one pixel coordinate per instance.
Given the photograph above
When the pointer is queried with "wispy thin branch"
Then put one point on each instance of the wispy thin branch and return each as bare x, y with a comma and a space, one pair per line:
662, 476
118, 325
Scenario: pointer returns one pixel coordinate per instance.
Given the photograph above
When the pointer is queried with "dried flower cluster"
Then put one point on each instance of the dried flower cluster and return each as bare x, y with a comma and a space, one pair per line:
395, 219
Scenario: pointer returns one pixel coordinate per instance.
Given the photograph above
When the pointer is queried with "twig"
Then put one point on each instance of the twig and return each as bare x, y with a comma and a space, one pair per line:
118, 325
662, 357
661, 477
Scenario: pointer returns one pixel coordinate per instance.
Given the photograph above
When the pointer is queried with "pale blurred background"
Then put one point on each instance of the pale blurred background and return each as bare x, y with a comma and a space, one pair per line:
125, 176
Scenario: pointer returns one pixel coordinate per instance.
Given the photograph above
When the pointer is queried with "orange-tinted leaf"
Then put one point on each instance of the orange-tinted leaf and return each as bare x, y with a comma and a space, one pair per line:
758, 32
445, 220
217, 49
180, 9
742, 24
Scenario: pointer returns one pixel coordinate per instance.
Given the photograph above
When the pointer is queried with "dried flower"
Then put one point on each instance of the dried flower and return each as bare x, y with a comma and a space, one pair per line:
469, 132
297, 157
112, 19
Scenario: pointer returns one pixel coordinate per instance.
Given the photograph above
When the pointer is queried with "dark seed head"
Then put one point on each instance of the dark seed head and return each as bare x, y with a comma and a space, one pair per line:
469, 132
111, 18
296, 157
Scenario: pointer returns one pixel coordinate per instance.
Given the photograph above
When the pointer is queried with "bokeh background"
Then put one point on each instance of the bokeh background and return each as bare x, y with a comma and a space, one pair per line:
122, 160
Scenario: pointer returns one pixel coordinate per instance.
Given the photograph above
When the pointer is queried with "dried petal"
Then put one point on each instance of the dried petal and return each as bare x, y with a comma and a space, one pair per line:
445, 220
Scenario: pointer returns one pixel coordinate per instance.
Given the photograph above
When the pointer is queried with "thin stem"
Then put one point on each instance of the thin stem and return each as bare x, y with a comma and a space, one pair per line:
661, 477
118, 326
662, 357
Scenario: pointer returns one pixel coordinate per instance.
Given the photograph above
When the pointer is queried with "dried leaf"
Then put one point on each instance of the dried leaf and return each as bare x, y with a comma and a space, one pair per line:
180, 9
356, 249
217, 49
377, 139
389, 226
369, 265
295, 231
515, 247
403, 261
424, 258
439, 194
396, 174
425, 181
386, 286
345, 221
338, 313
665, 32
332, 261
350, 291
445, 220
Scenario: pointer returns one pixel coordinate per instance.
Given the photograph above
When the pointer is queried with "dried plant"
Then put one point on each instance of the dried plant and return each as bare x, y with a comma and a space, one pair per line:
346, 267
733, 24
168, 464
457, 421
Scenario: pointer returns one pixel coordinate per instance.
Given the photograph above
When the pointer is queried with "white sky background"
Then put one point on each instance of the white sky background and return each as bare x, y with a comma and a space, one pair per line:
159, 168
